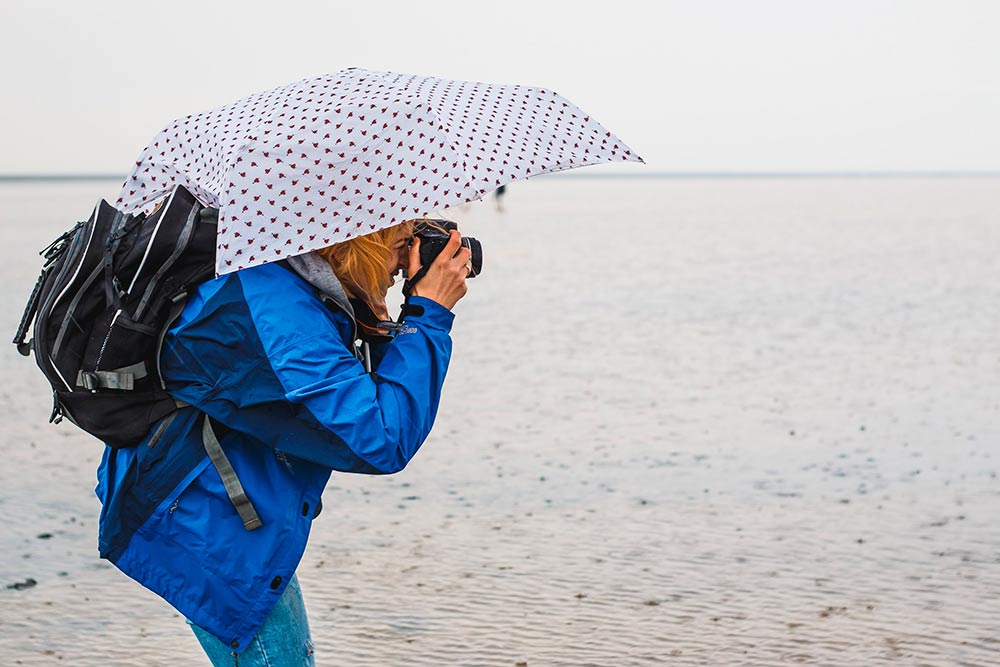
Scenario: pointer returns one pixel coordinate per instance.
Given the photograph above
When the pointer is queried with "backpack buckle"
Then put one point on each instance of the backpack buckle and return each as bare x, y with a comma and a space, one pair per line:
88, 380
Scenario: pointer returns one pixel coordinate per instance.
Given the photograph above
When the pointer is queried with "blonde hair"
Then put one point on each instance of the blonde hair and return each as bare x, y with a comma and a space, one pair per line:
360, 262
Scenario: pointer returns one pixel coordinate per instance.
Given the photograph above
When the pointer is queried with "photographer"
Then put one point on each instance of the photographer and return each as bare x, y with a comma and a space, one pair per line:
264, 364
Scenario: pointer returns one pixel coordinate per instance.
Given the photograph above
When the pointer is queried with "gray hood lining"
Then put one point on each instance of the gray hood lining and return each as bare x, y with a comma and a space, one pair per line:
317, 272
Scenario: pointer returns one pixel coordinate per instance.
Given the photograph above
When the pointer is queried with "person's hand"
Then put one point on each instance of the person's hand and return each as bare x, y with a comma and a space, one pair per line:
444, 281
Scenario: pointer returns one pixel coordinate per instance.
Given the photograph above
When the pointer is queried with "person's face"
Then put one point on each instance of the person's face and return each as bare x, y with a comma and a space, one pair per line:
399, 258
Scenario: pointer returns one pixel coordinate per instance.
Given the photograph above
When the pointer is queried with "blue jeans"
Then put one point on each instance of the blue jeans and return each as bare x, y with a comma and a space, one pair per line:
283, 640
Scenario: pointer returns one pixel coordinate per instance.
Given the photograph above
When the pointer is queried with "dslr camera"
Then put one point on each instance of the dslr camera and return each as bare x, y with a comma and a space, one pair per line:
434, 234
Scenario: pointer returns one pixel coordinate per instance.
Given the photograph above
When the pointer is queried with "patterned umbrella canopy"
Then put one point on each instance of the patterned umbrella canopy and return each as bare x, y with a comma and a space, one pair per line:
322, 160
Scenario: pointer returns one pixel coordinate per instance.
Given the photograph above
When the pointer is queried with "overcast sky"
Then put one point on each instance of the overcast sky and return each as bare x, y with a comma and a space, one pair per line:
695, 85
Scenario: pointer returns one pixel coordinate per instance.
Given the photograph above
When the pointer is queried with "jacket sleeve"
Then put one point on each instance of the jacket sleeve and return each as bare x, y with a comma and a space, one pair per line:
382, 420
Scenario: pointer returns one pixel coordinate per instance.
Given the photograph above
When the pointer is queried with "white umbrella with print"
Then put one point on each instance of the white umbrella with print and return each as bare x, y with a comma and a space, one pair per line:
323, 160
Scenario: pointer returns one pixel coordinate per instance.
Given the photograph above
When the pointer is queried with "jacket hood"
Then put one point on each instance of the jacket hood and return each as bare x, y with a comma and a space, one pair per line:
317, 272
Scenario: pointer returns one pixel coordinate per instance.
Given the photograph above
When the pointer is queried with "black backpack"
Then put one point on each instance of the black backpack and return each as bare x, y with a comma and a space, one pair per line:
109, 289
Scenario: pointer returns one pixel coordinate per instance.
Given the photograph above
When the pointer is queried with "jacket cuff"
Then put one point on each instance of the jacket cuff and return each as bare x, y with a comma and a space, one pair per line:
434, 314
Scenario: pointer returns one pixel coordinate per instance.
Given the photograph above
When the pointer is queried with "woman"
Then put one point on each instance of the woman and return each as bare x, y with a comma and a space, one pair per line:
212, 511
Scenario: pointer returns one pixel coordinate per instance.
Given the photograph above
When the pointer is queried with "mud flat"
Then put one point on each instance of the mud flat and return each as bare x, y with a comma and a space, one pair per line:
759, 427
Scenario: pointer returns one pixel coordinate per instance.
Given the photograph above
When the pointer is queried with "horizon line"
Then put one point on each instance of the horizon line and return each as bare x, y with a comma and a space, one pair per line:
861, 173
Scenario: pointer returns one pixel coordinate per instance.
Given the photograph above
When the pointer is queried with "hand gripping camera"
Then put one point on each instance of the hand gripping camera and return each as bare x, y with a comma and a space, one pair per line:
434, 235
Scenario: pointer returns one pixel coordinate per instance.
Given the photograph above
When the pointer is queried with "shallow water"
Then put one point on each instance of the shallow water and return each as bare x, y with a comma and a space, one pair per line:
760, 428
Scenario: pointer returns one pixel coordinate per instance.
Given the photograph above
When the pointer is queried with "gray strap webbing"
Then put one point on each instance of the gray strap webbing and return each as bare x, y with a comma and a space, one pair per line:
237, 496
161, 429
175, 310
119, 378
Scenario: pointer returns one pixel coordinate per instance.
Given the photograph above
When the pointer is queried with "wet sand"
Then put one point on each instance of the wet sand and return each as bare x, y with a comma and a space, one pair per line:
760, 429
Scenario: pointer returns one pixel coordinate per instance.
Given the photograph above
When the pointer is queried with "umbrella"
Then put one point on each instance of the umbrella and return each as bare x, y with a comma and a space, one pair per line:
322, 160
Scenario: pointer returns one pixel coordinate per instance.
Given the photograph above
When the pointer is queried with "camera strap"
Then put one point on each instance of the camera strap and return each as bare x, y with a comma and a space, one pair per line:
370, 328
412, 280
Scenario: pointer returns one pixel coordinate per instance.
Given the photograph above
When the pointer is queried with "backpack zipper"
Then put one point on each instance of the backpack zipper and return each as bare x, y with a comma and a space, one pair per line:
182, 243
71, 309
72, 254
152, 238
104, 345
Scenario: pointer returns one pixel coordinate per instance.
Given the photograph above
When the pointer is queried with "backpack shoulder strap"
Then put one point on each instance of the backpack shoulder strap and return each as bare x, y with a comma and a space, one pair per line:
237, 496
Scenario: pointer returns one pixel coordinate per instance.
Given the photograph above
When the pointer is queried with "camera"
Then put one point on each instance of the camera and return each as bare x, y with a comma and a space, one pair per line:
434, 234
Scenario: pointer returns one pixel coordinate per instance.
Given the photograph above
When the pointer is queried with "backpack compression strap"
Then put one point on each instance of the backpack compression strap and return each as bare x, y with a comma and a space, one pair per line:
121, 378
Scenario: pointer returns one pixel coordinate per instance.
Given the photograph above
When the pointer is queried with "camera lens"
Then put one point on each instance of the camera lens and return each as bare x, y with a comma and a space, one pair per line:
477, 254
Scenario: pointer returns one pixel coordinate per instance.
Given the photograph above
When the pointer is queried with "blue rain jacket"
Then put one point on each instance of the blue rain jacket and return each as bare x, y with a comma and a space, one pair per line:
260, 352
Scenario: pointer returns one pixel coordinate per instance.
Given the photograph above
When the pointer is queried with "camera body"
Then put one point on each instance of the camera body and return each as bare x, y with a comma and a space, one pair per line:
434, 234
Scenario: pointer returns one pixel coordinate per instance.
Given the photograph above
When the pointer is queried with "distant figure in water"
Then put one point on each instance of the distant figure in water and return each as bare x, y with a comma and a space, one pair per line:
498, 196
